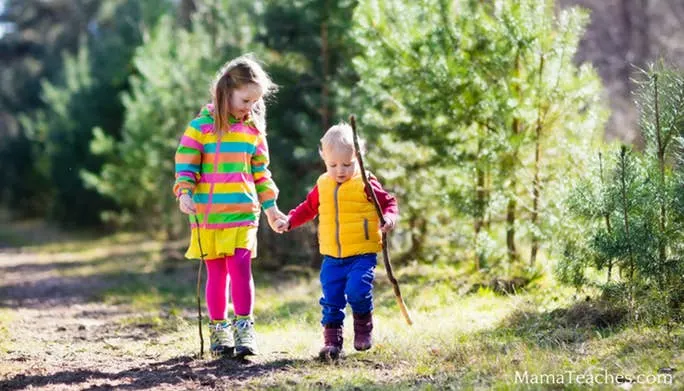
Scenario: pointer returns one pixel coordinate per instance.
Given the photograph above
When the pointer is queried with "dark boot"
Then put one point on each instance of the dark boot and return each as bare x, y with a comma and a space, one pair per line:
333, 343
363, 328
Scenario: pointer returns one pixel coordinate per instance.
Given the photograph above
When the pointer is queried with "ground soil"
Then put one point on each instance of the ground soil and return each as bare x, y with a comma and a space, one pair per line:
59, 339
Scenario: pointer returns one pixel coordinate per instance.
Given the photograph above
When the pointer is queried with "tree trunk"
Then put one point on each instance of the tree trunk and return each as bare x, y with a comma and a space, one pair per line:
511, 168
606, 216
537, 167
417, 227
628, 239
325, 90
185, 11
510, 229
479, 206
535, 198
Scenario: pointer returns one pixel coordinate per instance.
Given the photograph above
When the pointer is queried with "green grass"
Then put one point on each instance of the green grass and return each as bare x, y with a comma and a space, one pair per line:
477, 340
6, 317
462, 337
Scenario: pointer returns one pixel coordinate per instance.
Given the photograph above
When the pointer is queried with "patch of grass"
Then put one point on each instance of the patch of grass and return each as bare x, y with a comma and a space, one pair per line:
151, 291
167, 323
11, 238
36, 233
8, 344
287, 303
85, 241
473, 341
40, 237
575, 324
6, 317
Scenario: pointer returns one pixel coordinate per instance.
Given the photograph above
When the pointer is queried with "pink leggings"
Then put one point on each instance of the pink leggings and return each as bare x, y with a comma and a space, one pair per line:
239, 268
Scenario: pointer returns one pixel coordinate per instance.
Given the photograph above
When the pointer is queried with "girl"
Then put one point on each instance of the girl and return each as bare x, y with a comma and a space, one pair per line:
223, 180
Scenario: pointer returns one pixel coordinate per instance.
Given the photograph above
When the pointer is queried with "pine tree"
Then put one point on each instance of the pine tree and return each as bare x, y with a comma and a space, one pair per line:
490, 88
660, 99
85, 97
640, 202
37, 34
309, 56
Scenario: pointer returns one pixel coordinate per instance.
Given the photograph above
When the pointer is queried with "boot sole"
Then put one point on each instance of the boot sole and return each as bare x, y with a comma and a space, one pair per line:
330, 356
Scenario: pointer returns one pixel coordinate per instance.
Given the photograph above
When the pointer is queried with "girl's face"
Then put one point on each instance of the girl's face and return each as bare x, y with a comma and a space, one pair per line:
340, 163
243, 99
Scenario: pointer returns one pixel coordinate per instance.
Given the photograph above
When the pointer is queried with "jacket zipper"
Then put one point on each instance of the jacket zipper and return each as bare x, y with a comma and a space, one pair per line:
337, 222
365, 228
211, 186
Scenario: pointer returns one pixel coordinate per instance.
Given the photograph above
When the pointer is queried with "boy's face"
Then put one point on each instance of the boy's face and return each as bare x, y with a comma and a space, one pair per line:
243, 99
340, 163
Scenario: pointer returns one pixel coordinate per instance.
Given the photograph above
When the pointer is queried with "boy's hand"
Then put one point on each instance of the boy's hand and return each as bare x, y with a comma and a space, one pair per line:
389, 225
186, 204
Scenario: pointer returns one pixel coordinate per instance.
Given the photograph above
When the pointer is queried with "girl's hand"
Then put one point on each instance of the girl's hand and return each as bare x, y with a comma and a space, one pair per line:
274, 215
282, 225
186, 204
389, 225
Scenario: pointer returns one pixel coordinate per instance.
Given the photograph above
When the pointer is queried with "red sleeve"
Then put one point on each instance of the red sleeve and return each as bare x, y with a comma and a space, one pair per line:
306, 211
388, 203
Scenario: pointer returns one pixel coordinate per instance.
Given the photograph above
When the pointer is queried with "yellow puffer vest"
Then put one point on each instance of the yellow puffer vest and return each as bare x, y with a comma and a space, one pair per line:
348, 222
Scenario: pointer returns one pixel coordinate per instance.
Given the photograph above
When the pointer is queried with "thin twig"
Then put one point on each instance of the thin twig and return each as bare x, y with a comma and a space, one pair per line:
199, 281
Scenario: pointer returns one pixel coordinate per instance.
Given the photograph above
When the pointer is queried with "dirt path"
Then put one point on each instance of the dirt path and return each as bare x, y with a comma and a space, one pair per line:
55, 336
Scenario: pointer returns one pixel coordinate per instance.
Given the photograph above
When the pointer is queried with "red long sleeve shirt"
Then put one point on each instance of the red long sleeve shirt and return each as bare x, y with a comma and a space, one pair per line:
308, 209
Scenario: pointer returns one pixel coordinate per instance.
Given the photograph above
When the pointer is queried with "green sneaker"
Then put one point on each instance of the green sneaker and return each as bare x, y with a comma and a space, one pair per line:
245, 338
221, 337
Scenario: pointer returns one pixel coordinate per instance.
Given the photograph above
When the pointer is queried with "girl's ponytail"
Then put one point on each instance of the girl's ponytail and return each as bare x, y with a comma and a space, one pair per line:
222, 92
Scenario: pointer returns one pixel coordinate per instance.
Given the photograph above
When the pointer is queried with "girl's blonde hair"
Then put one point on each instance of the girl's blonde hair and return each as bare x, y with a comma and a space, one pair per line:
233, 75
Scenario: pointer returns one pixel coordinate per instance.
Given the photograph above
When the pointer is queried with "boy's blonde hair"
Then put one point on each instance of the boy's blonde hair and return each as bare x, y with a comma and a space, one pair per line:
338, 137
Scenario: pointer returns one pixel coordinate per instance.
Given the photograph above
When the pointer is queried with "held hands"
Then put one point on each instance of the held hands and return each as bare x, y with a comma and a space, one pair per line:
277, 219
186, 204
389, 225
283, 225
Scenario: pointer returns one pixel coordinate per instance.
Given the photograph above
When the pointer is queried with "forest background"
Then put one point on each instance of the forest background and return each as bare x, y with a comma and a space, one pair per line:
525, 140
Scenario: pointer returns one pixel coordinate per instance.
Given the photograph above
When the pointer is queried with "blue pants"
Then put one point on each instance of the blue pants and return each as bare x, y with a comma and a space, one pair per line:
347, 280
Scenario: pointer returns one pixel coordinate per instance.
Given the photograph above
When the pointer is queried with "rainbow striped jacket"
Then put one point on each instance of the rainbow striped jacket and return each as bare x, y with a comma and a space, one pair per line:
227, 177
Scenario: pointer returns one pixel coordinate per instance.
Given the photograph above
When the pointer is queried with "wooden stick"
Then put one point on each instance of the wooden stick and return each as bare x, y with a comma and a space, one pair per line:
385, 252
199, 280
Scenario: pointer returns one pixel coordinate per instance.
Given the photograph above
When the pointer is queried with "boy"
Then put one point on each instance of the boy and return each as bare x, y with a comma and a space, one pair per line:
349, 238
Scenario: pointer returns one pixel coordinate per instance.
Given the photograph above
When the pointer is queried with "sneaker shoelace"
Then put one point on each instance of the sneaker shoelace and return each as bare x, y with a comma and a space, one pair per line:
220, 334
245, 332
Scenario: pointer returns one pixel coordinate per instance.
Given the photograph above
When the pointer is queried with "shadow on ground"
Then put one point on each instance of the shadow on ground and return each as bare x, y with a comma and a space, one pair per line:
173, 372
64, 281
47, 285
